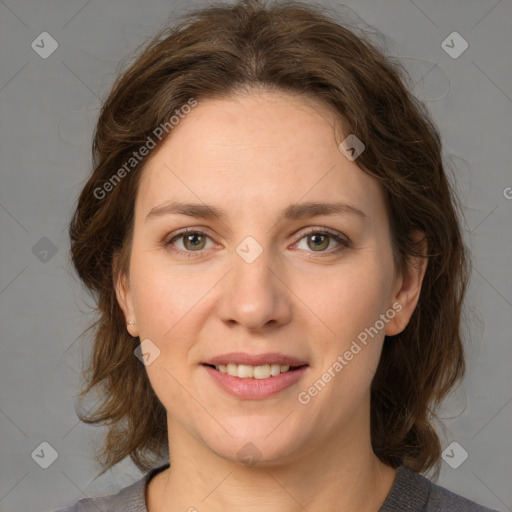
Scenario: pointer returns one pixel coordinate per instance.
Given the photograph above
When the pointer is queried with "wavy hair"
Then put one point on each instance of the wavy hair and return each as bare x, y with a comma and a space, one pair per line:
296, 48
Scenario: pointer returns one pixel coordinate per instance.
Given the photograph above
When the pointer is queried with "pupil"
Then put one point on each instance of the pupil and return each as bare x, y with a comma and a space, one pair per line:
319, 240
190, 239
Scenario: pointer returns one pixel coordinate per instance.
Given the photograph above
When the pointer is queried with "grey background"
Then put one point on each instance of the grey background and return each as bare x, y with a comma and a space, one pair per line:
48, 108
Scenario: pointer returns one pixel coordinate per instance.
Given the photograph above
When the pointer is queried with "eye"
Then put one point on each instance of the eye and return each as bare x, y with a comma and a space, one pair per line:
192, 241
320, 240
195, 241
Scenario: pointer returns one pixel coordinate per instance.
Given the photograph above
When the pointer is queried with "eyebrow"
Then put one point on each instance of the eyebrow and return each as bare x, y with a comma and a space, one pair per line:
293, 212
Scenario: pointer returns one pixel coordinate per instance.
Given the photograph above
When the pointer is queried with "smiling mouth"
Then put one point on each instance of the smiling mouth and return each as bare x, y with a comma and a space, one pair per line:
246, 371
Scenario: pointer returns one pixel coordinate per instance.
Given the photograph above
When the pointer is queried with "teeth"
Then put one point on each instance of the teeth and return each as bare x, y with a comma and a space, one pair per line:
275, 369
261, 372
246, 371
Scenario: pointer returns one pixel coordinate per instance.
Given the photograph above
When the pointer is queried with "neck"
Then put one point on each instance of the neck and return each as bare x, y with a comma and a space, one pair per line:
350, 478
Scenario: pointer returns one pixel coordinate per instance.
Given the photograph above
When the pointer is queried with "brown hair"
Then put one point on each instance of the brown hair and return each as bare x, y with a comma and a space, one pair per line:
296, 48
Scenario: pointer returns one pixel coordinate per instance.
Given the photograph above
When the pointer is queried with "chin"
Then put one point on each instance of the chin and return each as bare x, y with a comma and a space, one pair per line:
256, 446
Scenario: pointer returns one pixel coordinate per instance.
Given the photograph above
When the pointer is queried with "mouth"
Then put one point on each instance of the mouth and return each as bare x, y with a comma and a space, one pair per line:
255, 376
255, 382
247, 371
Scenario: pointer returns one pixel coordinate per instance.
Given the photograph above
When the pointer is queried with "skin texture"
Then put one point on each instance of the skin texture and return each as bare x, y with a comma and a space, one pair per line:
253, 155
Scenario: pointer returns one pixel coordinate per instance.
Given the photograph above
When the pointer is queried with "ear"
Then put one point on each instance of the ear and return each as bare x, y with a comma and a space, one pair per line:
408, 287
124, 295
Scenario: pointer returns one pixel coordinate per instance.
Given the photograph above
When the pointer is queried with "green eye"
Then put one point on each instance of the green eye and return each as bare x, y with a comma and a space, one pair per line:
193, 241
319, 241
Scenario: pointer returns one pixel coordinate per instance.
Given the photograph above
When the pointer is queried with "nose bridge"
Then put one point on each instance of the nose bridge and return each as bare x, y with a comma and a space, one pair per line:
255, 294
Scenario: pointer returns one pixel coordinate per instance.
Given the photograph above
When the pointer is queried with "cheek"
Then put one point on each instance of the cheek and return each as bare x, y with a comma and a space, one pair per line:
350, 300
164, 301
169, 302
162, 295
350, 305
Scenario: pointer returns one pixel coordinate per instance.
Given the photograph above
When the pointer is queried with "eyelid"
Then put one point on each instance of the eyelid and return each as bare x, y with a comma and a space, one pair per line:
326, 231
183, 231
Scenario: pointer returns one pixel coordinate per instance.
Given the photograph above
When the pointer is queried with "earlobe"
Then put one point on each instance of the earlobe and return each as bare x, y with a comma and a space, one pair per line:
409, 287
124, 299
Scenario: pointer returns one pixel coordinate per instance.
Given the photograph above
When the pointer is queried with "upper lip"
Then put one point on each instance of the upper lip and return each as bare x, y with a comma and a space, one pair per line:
255, 359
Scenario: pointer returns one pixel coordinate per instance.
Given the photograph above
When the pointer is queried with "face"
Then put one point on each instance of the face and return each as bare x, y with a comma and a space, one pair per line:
260, 282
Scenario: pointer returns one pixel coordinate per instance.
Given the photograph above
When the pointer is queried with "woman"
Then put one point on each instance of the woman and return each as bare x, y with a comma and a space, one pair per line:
279, 270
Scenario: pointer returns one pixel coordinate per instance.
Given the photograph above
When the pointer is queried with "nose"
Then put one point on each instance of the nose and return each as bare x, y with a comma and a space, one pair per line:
256, 294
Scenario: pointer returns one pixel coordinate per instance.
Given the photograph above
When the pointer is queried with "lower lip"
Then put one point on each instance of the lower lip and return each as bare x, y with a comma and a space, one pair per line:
255, 389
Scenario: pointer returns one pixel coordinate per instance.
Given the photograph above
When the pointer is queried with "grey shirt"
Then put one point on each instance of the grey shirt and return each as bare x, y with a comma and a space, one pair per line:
411, 492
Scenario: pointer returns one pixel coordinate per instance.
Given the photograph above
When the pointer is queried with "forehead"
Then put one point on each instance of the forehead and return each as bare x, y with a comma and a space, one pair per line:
255, 149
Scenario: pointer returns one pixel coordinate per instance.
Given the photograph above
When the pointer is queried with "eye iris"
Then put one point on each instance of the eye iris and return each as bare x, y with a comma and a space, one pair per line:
319, 245
190, 238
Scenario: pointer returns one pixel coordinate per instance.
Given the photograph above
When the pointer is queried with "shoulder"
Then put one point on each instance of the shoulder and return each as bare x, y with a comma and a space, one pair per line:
443, 499
412, 492
129, 499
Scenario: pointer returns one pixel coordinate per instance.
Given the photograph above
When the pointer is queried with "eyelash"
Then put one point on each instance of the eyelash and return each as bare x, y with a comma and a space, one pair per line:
344, 243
